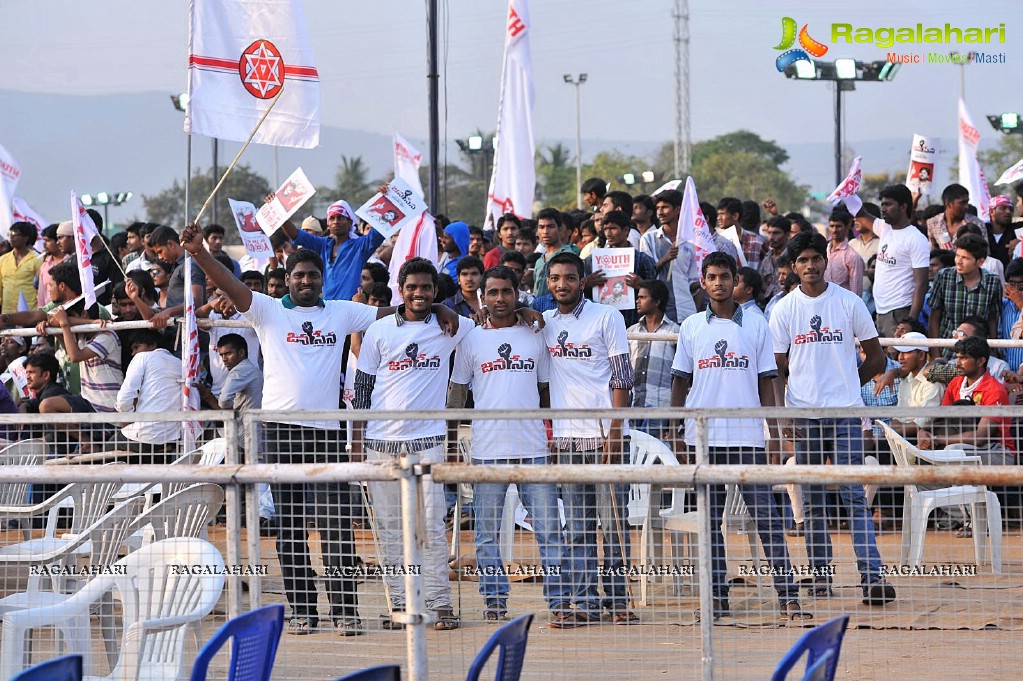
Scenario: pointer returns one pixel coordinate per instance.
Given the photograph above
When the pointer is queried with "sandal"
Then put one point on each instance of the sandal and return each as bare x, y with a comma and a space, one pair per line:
300, 626
446, 620
570, 619
624, 617
388, 624
821, 589
494, 615
965, 533
793, 613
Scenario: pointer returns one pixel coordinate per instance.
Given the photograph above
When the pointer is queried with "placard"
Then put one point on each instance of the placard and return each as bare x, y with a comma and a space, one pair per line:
295, 191
921, 163
617, 264
387, 213
257, 244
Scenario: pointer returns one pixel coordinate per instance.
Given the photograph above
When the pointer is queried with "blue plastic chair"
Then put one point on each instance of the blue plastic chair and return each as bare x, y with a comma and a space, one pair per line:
822, 645
384, 672
67, 668
255, 637
511, 638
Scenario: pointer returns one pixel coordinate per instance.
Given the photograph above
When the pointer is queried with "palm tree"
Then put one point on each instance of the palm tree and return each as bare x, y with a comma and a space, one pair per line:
353, 184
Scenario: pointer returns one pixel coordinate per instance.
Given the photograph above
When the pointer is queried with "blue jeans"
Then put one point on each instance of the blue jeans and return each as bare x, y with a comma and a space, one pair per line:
770, 525
841, 440
659, 428
579, 562
541, 501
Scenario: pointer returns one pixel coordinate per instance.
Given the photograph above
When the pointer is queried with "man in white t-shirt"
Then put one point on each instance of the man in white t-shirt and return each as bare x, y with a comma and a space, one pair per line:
403, 366
814, 328
507, 364
590, 369
903, 256
302, 337
726, 346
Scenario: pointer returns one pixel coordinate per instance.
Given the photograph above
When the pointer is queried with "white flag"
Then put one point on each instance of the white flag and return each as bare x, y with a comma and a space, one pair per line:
85, 232
970, 175
514, 179
406, 163
10, 173
241, 53
693, 229
190, 430
1011, 174
418, 240
847, 192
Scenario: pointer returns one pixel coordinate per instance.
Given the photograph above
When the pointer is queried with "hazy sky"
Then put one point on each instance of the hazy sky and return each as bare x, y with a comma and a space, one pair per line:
367, 51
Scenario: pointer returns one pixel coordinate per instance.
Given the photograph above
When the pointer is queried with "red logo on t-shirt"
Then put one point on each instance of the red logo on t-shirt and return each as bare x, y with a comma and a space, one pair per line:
723, 359
818, 334
569, 350
508, 361
414, 360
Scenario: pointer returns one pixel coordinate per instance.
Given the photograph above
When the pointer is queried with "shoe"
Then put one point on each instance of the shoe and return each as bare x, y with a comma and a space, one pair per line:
878, 593
349, 626
795, 531
821, 588
570, 619
301, 626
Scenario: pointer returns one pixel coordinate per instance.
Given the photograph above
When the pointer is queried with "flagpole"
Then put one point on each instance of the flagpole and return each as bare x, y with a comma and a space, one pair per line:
241, 151
433, 77
188, 176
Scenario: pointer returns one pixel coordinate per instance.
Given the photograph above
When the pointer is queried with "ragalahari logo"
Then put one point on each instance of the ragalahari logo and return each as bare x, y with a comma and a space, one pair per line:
808, 46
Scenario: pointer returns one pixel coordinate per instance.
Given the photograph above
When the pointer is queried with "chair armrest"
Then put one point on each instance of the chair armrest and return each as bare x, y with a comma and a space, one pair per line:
946, 456
37, 509
52, 614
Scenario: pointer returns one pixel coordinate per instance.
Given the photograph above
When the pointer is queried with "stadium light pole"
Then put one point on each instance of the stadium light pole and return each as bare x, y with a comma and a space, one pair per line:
577, 82
844, 73
106, 199
181, 104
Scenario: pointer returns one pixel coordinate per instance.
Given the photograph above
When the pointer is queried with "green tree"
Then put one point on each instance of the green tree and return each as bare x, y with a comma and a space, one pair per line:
168, 207
732, 142
747, 176
352, 182
555, 177
873, 183
996, 161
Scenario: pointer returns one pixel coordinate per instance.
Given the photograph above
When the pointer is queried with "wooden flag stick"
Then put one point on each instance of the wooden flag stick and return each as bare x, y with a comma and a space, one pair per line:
241, 151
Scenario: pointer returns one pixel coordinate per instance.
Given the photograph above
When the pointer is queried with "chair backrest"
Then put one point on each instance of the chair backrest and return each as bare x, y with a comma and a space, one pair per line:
67, 668
645, 450
91, 502
736, 516
254, 638
24, 453
384, 672
511, 640
822, 641
183, 514
211, 453
180, 578
107, 535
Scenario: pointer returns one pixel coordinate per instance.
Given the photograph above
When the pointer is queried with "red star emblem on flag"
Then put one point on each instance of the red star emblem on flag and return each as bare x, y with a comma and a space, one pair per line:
261, 69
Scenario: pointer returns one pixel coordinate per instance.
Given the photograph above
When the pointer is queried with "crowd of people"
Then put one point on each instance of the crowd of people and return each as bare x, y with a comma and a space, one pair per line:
781, 313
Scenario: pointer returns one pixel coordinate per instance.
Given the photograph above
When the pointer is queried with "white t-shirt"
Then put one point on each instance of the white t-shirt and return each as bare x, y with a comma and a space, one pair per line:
302, 352
218, 372
899, 251
817, 333
504, 367
410, 363
580, 371
718, 354
151, 384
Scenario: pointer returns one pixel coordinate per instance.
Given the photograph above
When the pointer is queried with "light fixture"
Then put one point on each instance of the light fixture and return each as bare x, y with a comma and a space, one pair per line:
648, 176
806, 69
845, 69
122, 197
181, 101
567, 77
86, 199
475, 143
888, 71
1007, 123
629, 178
1010, 121
102, 198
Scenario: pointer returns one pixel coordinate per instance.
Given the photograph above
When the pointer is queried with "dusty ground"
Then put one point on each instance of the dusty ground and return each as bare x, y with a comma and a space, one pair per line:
943, 627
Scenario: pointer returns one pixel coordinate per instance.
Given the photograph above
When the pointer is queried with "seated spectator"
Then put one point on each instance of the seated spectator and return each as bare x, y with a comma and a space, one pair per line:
942, 371
964, 291
992, 436
151, 384
914, 388
243, 386
51, 397
99, 357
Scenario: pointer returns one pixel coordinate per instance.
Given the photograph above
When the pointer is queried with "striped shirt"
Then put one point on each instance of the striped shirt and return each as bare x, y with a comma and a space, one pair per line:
102, 376
651, 365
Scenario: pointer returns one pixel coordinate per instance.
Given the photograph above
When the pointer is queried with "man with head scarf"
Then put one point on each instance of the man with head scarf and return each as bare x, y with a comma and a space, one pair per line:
454, 242
343, 254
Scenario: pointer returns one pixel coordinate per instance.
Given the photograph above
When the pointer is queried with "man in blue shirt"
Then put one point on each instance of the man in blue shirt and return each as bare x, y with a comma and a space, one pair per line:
343, 256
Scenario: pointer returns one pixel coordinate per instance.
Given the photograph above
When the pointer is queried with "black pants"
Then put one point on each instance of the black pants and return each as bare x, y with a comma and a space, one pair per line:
327, 505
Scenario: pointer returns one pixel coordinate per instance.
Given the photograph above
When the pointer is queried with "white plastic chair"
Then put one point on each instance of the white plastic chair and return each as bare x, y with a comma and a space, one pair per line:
160, 602
918, 504
14, 495
736, 518
88, 503
184, 514
646, 450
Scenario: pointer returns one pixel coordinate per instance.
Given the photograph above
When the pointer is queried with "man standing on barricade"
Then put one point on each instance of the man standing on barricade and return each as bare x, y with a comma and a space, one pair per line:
590, 369
302, 337
507, 365
814, 328
726, 346
403, 366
